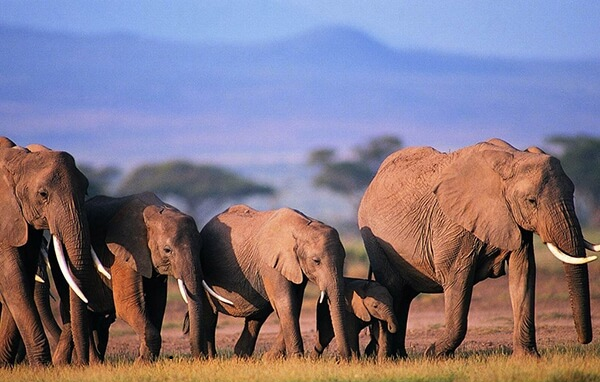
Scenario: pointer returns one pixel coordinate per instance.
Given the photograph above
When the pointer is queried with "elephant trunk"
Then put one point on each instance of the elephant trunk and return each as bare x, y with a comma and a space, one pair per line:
193, 288
75, 237
338, 311
567, 236
390, 319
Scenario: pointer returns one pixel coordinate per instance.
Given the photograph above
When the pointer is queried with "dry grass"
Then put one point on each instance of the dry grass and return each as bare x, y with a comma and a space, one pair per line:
557, 364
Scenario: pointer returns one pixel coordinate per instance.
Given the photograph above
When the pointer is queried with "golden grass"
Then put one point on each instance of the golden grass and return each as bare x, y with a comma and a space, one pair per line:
577, 363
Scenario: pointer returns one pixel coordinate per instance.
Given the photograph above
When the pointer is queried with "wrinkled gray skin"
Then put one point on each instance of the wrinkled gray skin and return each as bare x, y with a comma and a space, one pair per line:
369, 304
141, 240
437, 222
40, 189
261, 261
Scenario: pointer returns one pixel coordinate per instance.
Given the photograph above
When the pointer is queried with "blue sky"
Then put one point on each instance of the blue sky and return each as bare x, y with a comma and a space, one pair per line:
523, 29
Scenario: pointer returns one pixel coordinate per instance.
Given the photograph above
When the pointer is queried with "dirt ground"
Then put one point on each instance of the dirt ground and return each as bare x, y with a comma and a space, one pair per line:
489, 328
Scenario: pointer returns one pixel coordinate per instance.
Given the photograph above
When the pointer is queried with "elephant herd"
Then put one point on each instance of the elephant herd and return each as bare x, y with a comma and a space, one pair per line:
431, 222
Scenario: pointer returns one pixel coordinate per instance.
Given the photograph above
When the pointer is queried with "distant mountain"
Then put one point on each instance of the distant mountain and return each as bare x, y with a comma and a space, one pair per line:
124, 99
179, 20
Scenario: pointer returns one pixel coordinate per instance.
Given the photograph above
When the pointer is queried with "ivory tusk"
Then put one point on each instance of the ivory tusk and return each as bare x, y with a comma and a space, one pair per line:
99, 265
182, 290
39, 279
322, 297
215, 294
591, 247
62, 264
569, 259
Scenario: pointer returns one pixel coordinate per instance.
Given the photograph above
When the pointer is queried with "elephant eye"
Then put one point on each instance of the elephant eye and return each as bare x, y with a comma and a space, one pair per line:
532, 201
316, 260
167, 250
43, 194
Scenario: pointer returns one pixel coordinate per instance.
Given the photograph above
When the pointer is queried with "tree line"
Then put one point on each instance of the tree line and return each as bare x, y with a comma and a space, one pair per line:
204, 186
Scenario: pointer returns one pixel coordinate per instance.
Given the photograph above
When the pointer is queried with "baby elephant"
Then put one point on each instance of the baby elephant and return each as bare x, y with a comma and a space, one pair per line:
369, 303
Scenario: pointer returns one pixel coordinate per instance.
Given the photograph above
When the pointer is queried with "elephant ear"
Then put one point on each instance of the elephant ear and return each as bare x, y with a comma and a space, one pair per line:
13, 226
127, 239
357, 302
279, 248
470, 193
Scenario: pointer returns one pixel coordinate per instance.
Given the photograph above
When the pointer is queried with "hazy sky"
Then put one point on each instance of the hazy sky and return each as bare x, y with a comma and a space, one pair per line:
533, 28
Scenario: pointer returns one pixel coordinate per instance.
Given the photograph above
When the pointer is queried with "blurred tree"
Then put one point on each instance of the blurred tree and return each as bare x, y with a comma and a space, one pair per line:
199, 186
350, 177
102, 179
580, 158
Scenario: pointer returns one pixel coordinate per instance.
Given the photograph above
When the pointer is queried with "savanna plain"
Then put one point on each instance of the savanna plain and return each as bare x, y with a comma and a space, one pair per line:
484, 355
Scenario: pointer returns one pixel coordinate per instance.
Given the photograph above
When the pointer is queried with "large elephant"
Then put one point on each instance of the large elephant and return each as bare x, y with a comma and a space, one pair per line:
261, 261
440, 222
140, 241
369, 304
40, 189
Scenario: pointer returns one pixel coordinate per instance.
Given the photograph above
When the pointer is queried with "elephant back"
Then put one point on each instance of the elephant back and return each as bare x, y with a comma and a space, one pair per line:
410, 172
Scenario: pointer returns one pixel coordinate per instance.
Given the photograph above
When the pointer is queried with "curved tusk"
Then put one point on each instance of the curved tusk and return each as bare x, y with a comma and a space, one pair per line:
322, 297
182, 290
591, 247
99, 265
215, 294
569, 259
62, 264
39, 279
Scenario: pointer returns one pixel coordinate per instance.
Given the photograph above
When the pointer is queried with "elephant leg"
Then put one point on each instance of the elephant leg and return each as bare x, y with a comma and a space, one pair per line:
457, 300
155, 290
324, 327
278, 349
17, 271
10, 339
65, 346
246, 344
521, 281
373, 348
287, 302
130, 305
209, 325
101, 334
397, 344
95, 357
387, 274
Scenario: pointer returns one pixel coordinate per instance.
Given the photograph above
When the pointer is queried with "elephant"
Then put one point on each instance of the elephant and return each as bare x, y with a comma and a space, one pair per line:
261, 261
40, 189
140, 241
369, 304
436, 222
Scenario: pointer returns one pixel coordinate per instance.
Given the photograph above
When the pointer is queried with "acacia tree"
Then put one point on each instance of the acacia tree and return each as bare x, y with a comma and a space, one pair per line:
202, 187
350, 177
580, 158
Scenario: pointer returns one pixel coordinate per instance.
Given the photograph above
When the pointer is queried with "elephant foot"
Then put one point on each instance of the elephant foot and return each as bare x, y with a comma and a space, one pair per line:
526, 352
144, 360
431, 352
272, 355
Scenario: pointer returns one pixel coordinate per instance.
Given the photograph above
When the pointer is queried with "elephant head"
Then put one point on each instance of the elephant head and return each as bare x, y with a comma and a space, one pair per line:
41, 189
500, 194
367, 302
370, 300
306, 247
154, 237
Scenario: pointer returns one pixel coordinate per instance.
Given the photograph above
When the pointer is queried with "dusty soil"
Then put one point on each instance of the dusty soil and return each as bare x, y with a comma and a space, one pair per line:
490, 321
